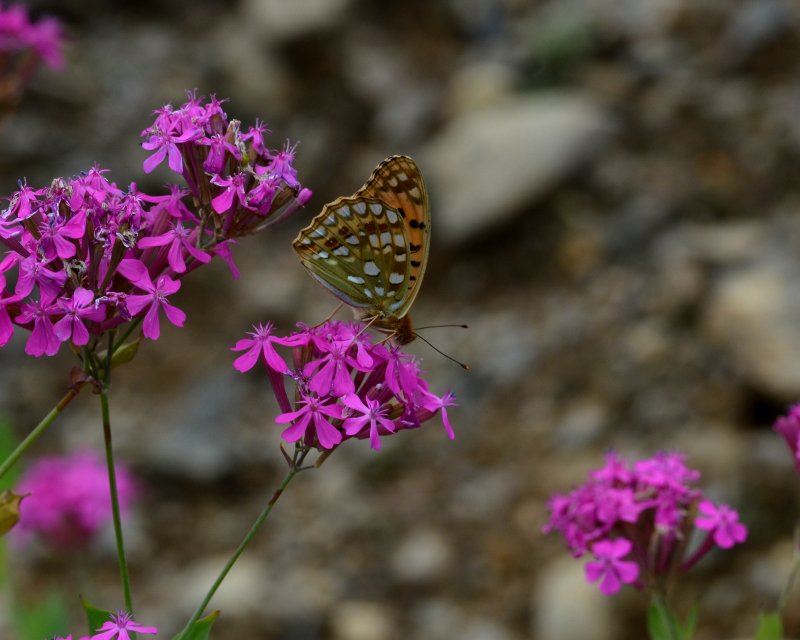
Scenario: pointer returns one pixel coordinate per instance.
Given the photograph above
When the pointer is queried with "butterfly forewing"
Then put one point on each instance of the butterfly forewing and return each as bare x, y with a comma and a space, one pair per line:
371, 249
398, 183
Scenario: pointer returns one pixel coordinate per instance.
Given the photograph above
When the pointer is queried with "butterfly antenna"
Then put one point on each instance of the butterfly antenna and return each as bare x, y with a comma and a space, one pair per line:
449, 357
443, 326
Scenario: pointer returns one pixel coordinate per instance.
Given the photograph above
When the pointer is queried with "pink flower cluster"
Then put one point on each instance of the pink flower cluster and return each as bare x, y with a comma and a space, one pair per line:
69, 499
19, 34
119, 627
230, 172
788, 427
346, 386
86, 256
637, 520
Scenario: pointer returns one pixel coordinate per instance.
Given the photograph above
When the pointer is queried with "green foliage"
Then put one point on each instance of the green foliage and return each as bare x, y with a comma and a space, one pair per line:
96, 617
198, 630
769, 627
560, 41
45, 619
7, 445
663, 624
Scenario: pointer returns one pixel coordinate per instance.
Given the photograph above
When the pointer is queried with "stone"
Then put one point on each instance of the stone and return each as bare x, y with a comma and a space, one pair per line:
488, 164
362, 621
423, 556
562, 591
754, 313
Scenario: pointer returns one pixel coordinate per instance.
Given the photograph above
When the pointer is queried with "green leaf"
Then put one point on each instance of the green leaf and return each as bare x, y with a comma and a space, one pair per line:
691, 622
44, 619
123, 354
96, 617
663, 624
7, 445
658, 621
198, 630
769, 626
9, 510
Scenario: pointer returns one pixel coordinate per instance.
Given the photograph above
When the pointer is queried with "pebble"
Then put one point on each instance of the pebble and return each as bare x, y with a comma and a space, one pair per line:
512, 153
566, 607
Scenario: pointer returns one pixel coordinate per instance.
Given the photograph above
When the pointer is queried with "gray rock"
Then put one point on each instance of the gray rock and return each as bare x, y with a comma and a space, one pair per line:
488, 164
362, 621
754, 312
242, 593
562, 591
422, 556
505, 345
190, 442
278, 20
757, 23
443, 620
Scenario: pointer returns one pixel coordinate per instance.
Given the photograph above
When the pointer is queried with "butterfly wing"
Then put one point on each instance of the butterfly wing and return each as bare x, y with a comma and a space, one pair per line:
370, 249
397, 182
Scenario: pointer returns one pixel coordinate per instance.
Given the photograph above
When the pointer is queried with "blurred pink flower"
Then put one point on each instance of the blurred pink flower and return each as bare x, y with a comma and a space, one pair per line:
69, 498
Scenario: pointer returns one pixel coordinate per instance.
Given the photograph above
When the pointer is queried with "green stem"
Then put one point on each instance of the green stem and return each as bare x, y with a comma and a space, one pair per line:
295, 466
667, 616
793, 572
112, 483
38, 430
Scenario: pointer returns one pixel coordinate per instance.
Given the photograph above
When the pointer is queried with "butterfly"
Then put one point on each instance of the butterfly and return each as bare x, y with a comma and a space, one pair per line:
371, 249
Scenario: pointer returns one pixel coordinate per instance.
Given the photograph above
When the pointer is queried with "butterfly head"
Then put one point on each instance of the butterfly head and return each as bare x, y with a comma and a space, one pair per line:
400, 330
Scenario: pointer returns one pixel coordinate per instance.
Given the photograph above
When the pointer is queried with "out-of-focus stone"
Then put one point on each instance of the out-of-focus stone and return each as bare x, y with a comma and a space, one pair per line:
486, 165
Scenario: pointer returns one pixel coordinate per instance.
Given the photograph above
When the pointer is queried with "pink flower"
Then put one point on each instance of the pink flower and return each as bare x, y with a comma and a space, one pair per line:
43, 339
120, 627
655, 506
341, 384
372, 413
722, 522
260, 344
165, 144
255, 136
233, 188
434, 403
609, 567
57, 236
128, 248
178, 239
331, 374
77, 309
33, 272
281, 164
218, 148
788, 427
312, 420
155, 299
69, 498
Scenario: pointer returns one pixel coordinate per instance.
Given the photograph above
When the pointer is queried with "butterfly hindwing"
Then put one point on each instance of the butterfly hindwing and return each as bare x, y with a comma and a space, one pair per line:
356, 248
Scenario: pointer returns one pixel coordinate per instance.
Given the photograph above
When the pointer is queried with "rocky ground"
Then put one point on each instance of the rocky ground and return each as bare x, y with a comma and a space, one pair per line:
615, 216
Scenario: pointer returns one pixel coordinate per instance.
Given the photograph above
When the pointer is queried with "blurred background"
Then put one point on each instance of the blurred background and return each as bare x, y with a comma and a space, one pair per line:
615, 216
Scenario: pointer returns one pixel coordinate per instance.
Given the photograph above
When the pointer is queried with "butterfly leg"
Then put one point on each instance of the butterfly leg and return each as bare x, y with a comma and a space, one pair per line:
368, 322
335, 311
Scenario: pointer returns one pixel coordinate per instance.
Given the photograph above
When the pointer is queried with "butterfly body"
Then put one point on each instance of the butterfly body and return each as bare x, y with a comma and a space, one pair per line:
371, 249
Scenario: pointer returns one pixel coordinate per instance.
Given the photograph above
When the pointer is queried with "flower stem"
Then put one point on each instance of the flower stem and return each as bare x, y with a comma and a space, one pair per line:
666, 627
793, 572
295, 466
112, 484
38, 430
